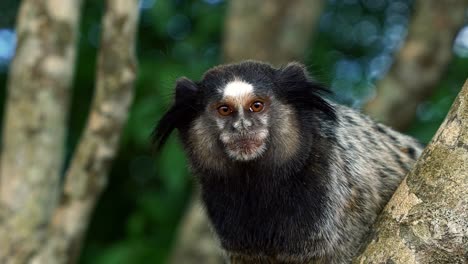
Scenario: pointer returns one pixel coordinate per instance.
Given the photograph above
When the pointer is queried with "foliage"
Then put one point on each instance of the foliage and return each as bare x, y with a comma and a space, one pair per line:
137, 216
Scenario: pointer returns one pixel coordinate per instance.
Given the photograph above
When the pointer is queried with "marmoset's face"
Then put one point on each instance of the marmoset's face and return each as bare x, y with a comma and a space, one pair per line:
241, 115
242, 112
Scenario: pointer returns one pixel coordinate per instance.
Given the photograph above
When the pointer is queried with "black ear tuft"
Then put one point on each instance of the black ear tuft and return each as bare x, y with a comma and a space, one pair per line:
182, 112
295, 75
293, 71
294, 84
185, 89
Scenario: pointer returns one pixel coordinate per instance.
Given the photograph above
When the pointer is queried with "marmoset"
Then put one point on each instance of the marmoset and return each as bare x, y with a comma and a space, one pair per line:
286, 175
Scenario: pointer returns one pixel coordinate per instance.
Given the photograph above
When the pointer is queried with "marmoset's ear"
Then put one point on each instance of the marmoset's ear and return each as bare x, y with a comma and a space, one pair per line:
181, 113
293, 72
185, 90
297, 87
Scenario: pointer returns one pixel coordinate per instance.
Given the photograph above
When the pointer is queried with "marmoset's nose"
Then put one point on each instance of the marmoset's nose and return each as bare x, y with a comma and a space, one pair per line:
241, 124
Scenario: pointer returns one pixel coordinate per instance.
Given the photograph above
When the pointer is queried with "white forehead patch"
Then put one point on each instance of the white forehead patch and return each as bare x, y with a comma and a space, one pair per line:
237, 88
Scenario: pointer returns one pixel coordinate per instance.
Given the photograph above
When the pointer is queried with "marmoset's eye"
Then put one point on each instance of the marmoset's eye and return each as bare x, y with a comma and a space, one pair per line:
224, 110
256, 106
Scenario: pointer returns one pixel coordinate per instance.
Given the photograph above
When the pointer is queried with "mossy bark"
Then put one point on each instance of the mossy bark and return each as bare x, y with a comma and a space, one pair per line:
426, 221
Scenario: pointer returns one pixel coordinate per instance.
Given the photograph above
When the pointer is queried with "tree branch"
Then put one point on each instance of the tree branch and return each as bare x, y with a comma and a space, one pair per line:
276, 31
420, 63
87, 175
196, 242
426, 221
33, 137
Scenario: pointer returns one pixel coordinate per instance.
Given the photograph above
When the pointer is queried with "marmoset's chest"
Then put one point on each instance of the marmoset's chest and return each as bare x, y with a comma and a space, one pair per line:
251, 212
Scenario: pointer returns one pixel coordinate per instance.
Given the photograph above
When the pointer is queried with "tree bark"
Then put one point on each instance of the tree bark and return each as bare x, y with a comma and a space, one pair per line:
33, 136
426, 221
196, 242
88, 173
32, 154
275, 31
420, 63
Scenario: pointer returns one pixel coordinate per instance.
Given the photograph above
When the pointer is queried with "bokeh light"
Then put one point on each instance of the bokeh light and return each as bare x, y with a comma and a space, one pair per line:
365, 35
7, 47
213, 2
147, 4
460, 46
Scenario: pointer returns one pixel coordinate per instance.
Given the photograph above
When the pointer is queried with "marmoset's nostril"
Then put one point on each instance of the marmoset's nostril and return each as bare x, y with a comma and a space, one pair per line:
236, 125
247, 123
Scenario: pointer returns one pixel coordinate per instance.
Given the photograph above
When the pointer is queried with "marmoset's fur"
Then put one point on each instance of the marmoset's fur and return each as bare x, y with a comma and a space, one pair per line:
286, 175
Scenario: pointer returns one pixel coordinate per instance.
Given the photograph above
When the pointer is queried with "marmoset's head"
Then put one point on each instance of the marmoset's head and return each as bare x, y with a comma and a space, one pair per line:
243, 112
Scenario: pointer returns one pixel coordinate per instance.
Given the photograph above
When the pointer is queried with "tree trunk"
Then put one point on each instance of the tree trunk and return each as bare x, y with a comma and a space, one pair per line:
196, 242
33, 136
87, 175
420, 63
275, 31
45, 231
426, 221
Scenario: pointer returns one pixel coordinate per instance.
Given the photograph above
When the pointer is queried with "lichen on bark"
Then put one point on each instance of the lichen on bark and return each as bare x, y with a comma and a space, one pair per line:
48, 224
39, 82
87, 175
426, 221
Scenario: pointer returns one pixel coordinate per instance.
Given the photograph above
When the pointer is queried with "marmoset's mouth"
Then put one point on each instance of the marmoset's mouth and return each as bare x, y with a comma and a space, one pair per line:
245, 144
245, 147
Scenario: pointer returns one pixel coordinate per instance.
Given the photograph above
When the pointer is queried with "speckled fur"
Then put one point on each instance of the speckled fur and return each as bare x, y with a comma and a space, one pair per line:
311, 197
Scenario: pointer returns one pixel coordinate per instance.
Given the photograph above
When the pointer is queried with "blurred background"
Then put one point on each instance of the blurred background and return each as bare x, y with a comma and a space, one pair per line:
352, 47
